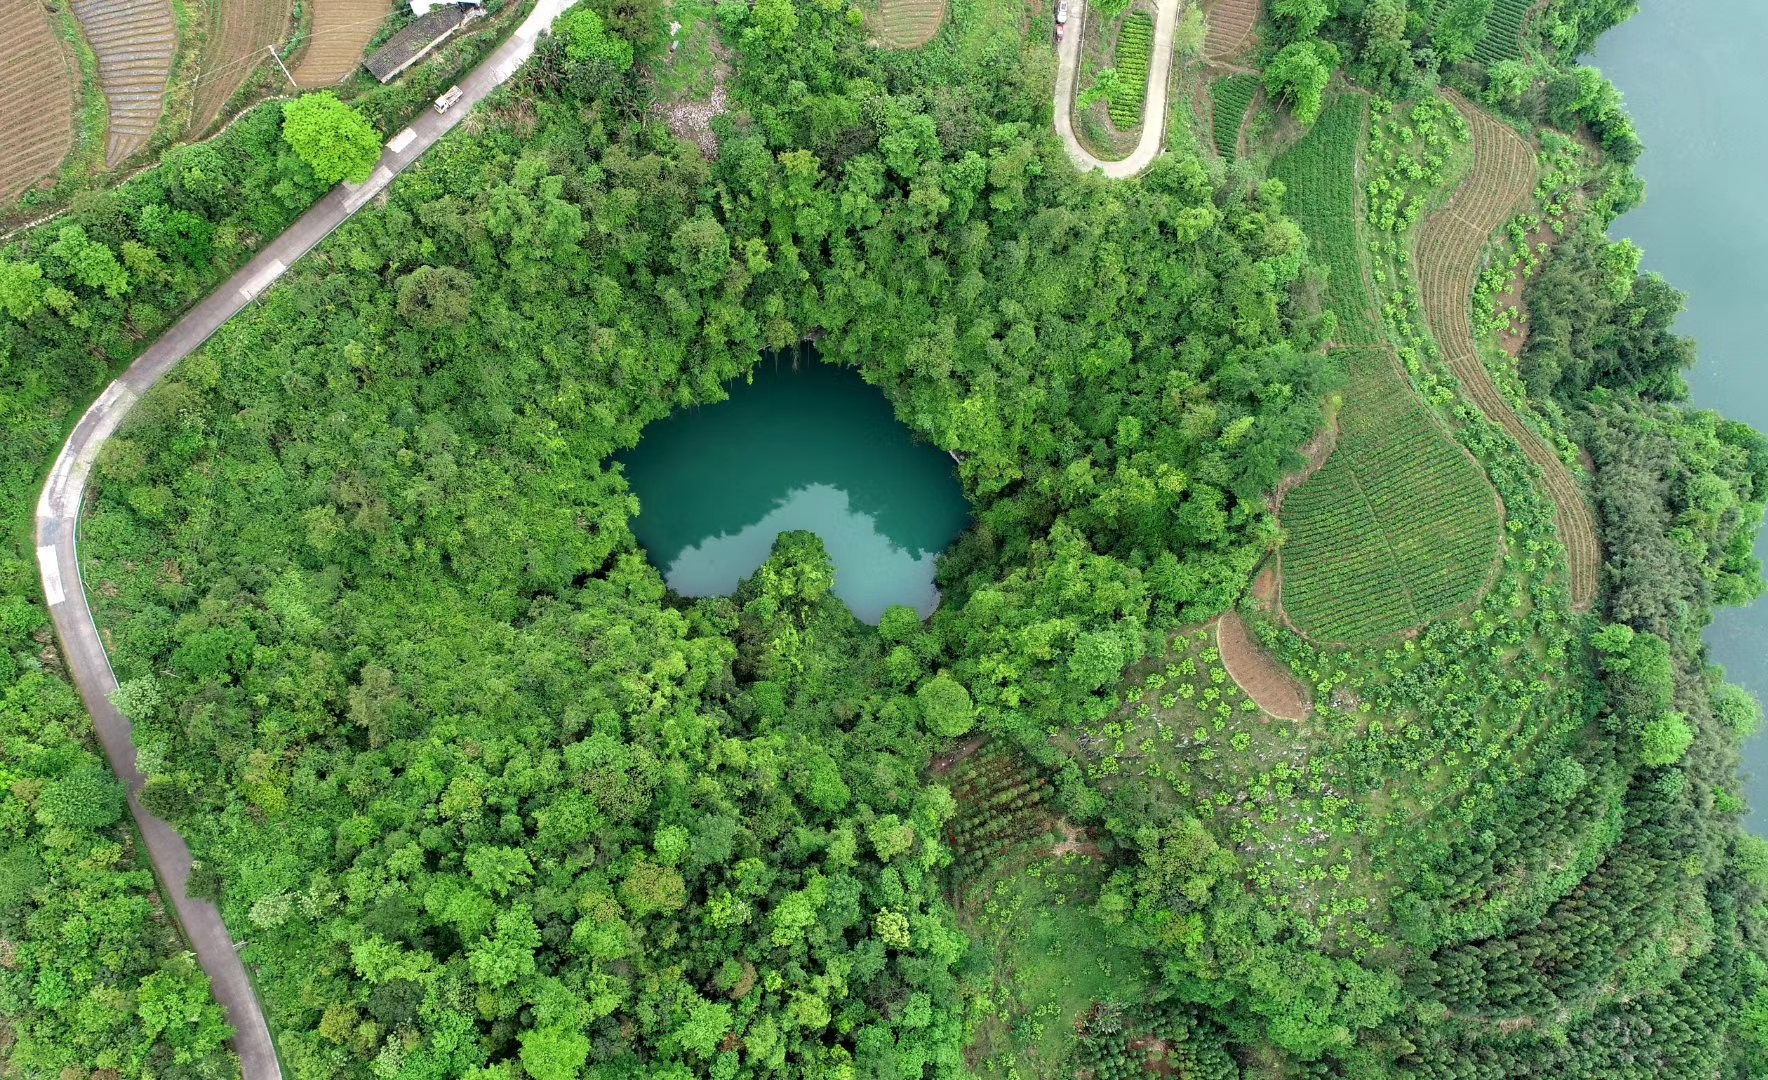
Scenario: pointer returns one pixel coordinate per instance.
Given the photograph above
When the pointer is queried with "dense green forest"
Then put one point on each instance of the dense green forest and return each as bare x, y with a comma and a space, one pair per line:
485, 800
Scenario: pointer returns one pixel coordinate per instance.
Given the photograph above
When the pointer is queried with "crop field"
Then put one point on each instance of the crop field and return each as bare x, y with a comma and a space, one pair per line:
1320, 173
340, 34
1230, 97
239, 33
1230, 28
134, 41
1400, 526
1000, 799
36, 98
1130, 57
1503, 40
1448, 250
909, 24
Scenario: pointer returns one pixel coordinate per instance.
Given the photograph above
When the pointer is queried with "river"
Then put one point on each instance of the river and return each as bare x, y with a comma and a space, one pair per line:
1695, 80
805, 445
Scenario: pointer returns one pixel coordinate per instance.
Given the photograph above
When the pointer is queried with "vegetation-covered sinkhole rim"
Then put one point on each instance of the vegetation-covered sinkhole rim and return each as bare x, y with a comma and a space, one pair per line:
486, 802
797, 444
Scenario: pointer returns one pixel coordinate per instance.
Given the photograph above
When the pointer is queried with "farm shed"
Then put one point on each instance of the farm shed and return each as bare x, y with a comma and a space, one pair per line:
414, 42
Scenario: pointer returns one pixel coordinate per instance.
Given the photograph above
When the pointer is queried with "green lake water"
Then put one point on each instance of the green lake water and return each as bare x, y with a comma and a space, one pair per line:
1695, 76
805, 445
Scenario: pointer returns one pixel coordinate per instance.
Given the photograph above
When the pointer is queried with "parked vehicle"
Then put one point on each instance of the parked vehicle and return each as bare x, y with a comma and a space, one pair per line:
1061, 18
448, 98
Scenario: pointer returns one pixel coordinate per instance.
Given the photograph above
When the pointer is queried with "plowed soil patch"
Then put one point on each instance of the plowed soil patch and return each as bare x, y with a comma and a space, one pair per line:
1230, 28
240, 32
909, 24
133, 41
341, 32
1449, 245
1264, 678
36, 98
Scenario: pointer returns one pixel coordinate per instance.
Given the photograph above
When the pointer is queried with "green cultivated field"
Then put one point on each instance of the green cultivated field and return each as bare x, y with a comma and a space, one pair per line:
1321, 175
1131, 60
1230, 97
1503, 40
1398, 528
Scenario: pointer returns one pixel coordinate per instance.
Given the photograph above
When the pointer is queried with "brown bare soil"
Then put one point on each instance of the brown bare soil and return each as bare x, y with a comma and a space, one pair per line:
36, 98
1264, 678
341, 32
943, 765
691, 121
1264, 587
1447, 259
1512, 341
1075, 841
1230, 28
240, 32
134, 41
909, 24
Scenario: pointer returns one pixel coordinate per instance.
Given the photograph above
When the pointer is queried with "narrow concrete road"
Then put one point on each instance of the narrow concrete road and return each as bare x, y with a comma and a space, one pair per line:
1160, 65
58, 517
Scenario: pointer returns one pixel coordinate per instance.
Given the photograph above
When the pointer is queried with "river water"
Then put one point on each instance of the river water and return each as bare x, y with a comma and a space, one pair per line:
1696, 79
805, 445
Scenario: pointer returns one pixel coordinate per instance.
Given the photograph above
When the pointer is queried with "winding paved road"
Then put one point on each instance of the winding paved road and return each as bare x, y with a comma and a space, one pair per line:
1160, 64
58, 516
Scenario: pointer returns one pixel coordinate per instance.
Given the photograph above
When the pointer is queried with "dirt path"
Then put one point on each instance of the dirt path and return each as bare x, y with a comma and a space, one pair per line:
1264, 678
1447, 260
1160, 62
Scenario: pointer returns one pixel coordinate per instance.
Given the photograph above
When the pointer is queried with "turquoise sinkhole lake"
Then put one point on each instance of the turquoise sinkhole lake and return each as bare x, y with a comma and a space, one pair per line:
804, 445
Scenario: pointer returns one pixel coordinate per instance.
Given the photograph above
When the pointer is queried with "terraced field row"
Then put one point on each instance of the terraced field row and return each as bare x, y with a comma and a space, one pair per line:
1230, 28
1229, 99
1503, 40
1135, 42
1398, 528
36, 98
1449, 245
340, 34
909, 24
1320, 173
239, 33
134, 41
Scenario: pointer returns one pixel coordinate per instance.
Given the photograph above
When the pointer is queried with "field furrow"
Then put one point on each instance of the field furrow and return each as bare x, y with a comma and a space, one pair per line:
341, 32
1398, 528
1320, 175
240, 32
36, 98
909, 24
1231, 23
134, 41
1447, 258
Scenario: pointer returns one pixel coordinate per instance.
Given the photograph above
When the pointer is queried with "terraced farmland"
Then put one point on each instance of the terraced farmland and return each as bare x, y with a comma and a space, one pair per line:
1135, 42
1230, 97
909, 24
1449, 245
36, 98
1321, 175
340, 35
1503, 40
1399, 527
1230, 28
134, 41
239, 33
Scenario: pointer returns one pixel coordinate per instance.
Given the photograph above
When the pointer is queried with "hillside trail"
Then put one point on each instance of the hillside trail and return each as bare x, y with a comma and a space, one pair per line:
1447, 257
64, 495
1160, 63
